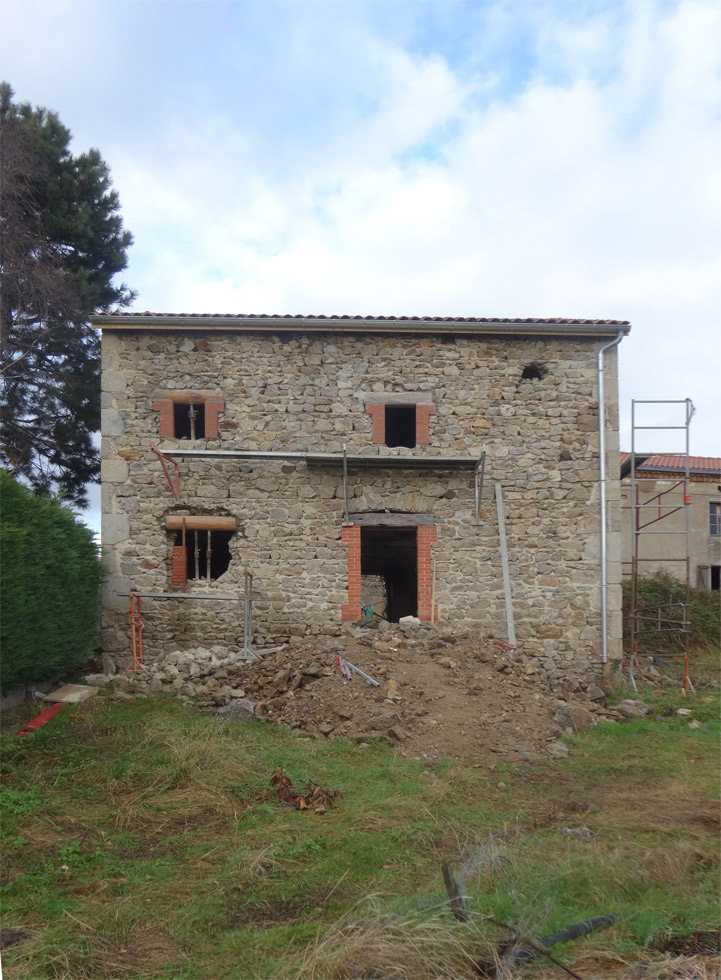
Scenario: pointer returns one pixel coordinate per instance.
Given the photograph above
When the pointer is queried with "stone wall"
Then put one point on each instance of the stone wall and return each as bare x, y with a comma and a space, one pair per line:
309, 393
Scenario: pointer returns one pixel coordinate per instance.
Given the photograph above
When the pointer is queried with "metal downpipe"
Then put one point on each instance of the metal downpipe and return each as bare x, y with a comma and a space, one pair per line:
603, 479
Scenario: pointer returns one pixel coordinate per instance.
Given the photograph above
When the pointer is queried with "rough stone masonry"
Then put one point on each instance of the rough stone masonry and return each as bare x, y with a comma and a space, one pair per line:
527, 391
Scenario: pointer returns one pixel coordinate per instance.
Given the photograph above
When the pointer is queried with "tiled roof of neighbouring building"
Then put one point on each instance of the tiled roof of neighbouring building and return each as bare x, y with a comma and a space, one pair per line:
674, 463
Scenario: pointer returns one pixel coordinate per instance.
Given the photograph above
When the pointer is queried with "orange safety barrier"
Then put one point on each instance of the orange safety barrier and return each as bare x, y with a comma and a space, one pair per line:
136, 625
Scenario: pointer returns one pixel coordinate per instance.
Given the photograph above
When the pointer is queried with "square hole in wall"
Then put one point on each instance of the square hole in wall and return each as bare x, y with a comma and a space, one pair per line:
401, 425
189, 420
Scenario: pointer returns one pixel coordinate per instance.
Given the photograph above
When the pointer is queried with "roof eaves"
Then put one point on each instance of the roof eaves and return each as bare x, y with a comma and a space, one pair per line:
356, 323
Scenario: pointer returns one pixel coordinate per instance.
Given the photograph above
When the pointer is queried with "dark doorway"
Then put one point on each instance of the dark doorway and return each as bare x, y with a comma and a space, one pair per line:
401, 425
392, 553
716, 577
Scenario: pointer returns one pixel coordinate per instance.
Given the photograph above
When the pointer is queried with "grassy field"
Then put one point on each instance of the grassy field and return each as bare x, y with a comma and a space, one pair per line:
141, 839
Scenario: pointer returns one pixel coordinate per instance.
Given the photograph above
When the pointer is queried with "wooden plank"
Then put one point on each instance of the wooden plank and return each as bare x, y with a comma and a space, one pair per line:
175, 523
458, 902
504, 563
71, 693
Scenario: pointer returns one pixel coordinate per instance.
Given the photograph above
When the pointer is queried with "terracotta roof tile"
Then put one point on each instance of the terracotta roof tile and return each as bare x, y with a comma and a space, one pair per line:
677, 462
345, 316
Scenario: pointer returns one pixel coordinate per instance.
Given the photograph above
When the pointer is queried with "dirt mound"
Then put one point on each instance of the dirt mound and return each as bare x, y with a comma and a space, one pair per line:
438, 694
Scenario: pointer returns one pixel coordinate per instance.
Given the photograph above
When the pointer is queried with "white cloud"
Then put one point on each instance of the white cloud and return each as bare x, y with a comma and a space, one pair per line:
331, 168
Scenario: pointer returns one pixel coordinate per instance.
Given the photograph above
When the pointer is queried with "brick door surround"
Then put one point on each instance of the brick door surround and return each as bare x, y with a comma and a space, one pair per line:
426, 536
351, 535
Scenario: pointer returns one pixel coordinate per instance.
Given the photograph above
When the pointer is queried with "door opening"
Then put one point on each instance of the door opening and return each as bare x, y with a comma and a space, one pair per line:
392, 554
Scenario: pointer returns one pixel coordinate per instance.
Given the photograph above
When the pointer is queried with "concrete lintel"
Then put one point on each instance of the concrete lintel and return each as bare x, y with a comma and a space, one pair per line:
371, 519
397, 397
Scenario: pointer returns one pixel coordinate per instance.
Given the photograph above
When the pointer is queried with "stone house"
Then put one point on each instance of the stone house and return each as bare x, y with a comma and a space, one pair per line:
662, 483
338, 459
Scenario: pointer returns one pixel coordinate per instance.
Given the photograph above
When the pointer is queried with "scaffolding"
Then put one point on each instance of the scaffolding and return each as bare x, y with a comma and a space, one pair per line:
648, 511
247, 598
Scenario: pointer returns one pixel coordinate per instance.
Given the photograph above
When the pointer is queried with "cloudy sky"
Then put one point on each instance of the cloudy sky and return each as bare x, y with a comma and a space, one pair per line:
471, 158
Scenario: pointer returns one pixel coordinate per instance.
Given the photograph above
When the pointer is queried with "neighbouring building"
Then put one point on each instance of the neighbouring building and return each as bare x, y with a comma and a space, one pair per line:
262, 416
661, 485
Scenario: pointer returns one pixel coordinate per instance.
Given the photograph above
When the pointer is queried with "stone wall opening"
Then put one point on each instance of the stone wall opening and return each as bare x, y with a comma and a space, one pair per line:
206, 555
401, 426
189, 420
188, 414
391, 553
533, 372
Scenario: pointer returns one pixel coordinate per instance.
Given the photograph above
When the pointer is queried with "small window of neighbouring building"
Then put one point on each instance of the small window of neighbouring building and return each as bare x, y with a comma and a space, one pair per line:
715, 519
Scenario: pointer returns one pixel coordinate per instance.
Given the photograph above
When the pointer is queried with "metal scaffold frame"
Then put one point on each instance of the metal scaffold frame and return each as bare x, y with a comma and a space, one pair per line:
660, 619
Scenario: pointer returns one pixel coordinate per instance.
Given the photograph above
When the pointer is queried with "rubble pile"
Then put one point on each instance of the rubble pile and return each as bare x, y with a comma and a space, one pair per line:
439, 695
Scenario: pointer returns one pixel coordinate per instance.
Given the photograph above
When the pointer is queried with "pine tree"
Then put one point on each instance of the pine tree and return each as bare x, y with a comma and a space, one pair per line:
61, 244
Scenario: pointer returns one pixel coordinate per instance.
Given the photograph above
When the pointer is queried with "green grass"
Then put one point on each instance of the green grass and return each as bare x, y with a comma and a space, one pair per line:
139, 841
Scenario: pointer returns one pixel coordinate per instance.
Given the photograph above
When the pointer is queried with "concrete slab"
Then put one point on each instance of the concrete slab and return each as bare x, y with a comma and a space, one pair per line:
71, 693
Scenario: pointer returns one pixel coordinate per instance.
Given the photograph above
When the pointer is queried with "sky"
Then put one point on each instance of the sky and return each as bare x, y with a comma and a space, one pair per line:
495, 158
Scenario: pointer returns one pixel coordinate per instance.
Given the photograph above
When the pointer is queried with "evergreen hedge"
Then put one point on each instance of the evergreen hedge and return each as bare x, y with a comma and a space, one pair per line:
50, 587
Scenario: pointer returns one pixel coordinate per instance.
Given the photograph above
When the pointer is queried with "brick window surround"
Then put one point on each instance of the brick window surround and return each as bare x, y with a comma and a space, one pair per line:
377, 411
165, 403
191, 525
351, 535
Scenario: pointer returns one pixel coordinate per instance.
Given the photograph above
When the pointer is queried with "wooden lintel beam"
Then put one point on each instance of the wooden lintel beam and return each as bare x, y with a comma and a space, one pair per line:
175, 523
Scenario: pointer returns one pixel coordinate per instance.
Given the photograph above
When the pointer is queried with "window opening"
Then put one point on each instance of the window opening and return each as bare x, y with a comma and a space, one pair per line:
207, 553
533, 372
715, 519
401, 426
189, 420
391, 554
